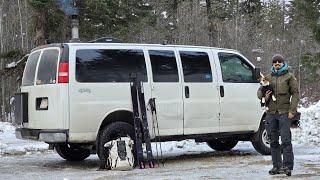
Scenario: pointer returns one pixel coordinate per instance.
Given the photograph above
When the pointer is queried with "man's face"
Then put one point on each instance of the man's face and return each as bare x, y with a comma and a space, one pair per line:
277, 65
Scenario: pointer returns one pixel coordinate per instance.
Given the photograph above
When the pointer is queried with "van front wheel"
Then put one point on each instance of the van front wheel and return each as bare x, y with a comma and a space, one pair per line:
222, 144
72, 152
260, 141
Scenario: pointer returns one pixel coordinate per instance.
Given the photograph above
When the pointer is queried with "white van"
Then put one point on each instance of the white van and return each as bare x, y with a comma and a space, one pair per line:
76, 96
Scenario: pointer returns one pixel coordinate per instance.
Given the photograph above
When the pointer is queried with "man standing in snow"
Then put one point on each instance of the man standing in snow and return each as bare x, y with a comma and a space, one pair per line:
280, 113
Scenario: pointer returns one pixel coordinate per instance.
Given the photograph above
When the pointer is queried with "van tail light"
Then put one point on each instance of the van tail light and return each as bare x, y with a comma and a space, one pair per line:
63, 75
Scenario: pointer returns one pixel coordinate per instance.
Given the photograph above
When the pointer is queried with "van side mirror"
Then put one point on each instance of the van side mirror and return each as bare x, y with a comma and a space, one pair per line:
257, 72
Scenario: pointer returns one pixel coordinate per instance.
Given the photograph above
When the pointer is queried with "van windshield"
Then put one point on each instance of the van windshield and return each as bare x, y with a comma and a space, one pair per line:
30, 69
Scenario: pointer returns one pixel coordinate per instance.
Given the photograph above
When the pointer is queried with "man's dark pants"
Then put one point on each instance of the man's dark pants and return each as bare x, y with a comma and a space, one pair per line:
279, 124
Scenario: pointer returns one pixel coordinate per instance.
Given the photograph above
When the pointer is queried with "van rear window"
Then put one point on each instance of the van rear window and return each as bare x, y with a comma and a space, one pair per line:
110, 65
47, 70
30, 69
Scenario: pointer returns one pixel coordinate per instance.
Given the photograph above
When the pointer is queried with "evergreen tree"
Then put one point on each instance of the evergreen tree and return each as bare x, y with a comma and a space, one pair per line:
112, 18
307, 13
309, 10
48, 21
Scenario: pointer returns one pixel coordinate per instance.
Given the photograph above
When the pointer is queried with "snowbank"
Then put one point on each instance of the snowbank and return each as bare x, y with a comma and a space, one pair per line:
309, 131
307, 134
178, 148
10, 145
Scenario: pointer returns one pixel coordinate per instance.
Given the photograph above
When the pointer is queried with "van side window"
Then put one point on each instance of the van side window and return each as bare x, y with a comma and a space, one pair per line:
196, 66
164, 66
110, 65
235, 69
30, 69
47, 69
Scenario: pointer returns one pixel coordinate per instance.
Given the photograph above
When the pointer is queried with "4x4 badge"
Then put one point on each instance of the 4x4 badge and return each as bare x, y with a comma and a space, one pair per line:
84, 90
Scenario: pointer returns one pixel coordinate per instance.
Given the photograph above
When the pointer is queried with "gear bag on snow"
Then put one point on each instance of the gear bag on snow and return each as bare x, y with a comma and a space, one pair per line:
120, 154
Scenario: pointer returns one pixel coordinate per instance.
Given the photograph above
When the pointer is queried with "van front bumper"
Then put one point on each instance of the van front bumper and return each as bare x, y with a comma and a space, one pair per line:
49, 136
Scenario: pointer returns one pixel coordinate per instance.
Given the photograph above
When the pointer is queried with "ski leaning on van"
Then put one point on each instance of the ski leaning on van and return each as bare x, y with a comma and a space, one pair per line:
141, 128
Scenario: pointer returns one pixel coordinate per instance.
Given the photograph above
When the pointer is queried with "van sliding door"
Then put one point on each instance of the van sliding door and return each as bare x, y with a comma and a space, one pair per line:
200, 93
167, 90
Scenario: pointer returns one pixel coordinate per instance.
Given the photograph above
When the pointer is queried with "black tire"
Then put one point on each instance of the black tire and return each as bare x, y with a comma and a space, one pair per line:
222, 144
112, 132
260, 141
72, 152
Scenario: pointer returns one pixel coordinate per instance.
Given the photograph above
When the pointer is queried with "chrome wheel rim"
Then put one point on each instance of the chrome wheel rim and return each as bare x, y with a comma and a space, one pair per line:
265, 138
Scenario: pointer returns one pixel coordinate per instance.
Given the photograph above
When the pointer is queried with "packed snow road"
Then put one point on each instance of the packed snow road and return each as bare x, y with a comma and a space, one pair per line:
241, 163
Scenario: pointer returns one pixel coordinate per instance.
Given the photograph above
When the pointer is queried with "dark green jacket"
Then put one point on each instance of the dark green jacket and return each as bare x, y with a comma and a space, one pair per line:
285, 87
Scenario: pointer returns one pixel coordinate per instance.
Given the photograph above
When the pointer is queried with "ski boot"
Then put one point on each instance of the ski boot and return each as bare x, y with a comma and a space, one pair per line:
286, 171
274, 171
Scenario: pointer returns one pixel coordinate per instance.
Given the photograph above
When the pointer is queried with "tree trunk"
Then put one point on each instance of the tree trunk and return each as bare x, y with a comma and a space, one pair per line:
211, 27
21, 27
2, 63
40, 36
172, 27
26, 23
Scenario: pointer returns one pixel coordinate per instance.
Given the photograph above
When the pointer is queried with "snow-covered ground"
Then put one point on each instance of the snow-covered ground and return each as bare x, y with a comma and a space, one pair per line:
243, 162
10, 145
309, 131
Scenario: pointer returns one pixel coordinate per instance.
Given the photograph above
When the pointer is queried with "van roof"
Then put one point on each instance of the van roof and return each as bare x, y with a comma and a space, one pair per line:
127, 44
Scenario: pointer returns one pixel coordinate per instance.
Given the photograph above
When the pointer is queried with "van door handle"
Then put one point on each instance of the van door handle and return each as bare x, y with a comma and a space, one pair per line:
186, 91
221, 91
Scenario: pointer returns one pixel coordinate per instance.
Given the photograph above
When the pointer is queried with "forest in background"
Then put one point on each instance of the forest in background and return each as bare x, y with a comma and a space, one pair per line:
256, 28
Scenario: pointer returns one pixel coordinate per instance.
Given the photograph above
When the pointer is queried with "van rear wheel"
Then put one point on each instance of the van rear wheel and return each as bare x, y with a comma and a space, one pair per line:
222, 144
112, 132
72, 152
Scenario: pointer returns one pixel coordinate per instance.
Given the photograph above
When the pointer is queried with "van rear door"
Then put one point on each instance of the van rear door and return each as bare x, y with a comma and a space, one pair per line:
47, 100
